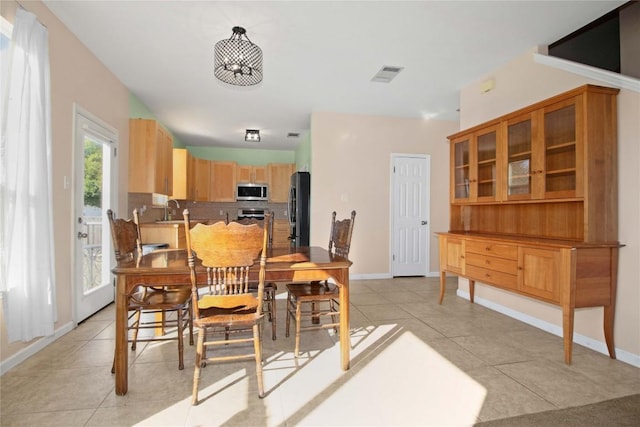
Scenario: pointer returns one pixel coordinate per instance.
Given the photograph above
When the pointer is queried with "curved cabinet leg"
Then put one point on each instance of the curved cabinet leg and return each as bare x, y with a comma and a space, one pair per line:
443, 285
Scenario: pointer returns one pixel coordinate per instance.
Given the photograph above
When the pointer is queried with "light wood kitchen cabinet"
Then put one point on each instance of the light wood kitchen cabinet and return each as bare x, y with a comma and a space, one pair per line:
534, 205
279, 176
223, 181
172, 234
281, 233
150, 158
251, 174
199, 177
182, 163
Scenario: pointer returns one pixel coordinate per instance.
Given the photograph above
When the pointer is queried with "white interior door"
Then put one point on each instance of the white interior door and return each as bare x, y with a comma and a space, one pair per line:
94, 192
410, 215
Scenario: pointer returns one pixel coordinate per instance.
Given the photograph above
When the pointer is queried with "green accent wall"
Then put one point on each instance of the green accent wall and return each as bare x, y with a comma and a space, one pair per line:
243, 156
303, 154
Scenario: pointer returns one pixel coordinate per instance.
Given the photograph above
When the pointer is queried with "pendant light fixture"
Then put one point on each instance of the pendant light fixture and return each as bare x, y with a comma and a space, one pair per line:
238, 61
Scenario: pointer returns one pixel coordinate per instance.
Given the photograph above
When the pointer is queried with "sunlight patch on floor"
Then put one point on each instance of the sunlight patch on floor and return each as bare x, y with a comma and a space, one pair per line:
396, 370
408, 374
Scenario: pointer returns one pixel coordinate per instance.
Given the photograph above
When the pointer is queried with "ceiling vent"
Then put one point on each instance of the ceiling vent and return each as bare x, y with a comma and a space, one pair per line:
293, 135
386, 74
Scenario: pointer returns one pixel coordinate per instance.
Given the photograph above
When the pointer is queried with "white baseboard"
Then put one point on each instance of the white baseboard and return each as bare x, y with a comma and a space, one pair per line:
25, 353
373, 276
599, 346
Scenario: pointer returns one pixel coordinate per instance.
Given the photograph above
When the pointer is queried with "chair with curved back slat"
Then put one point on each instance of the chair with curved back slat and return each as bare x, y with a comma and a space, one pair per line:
223, 304
321, 297
147, 299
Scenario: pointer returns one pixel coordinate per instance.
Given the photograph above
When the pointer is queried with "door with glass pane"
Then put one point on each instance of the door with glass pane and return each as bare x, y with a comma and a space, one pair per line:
461, 173
522, 165
93, 189
486, 164
562, 161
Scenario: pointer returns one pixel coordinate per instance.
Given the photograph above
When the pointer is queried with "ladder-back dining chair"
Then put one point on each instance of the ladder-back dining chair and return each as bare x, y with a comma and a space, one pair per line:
270, 289
319, 300
151, 307
226, 310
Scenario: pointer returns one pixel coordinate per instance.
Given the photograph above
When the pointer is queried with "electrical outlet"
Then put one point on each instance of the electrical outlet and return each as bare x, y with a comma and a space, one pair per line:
221, 212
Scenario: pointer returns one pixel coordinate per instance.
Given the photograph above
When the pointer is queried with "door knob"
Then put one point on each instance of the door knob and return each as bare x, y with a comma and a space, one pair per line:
82, 235
423, 222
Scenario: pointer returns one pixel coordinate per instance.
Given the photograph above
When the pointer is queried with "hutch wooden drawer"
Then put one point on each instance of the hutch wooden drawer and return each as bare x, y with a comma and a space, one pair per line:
491, 248
495, 278
509, 266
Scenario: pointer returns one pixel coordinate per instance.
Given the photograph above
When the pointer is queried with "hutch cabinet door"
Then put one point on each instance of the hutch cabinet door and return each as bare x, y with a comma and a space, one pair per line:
539, 273
563, 144
462, 175
452, 255
522, 165
486, 150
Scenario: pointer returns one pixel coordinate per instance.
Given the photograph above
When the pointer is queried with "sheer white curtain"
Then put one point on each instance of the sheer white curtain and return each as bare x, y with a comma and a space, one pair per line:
27, 278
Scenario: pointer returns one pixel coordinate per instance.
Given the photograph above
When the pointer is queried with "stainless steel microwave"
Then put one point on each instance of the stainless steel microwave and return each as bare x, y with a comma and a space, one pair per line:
252, 192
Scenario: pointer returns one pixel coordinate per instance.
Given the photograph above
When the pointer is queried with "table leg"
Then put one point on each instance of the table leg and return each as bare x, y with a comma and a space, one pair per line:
345, 340
121, 354
443, 285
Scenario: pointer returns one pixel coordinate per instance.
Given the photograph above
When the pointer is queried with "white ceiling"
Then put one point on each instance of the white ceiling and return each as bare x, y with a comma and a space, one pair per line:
318, 56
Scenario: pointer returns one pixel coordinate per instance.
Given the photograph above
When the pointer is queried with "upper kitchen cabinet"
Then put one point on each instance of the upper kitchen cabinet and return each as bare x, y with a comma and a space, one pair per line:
249, 174
150, 158
182, 162
199, 179
279, 178
223, 181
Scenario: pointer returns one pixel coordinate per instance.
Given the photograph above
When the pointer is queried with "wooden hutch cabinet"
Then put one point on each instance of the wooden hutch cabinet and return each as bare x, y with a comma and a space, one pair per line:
534, 205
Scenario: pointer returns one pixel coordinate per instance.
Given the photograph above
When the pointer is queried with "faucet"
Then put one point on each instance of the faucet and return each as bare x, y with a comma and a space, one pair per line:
167, 216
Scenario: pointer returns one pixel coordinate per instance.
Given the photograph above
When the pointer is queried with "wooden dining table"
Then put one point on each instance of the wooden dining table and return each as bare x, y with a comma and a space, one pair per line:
169, 267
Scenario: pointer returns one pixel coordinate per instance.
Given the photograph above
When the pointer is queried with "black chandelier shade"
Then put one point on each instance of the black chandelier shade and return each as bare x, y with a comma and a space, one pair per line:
238, 61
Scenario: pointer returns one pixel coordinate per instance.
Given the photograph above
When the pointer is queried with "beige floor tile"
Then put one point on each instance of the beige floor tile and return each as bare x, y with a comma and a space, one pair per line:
413, 362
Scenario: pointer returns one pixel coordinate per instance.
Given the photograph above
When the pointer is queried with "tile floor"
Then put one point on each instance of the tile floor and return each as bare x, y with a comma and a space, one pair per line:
414, 362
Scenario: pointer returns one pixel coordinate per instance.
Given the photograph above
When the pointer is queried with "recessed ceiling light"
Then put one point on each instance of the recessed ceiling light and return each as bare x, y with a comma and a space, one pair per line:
252, 135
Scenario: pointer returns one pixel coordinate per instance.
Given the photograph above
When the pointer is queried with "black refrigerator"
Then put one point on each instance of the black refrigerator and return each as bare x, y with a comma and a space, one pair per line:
299, 206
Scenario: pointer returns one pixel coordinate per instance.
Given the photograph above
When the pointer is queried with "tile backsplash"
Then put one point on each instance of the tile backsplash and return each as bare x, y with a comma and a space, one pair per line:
198, 210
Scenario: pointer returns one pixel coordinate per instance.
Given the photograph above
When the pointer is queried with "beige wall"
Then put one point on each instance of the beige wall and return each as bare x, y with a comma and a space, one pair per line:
520, 83
350, 164
76, 77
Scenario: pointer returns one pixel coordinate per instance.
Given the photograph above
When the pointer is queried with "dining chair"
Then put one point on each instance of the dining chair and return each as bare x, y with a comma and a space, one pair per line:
150, 306
223, 303
270, 289
317, 300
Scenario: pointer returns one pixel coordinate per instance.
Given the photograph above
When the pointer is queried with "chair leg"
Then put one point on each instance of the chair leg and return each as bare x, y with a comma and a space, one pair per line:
190, 320
196, 370
288, 319
180, 339
332, 307
273, 315
136, 323
257, 346
298, 320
